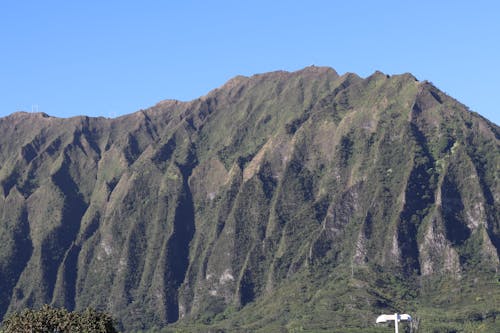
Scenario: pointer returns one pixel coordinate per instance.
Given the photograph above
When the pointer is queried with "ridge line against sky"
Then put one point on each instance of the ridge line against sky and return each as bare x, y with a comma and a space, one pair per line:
116, 57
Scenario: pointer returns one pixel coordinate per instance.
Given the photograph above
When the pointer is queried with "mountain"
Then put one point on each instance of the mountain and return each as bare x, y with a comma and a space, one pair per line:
284, 201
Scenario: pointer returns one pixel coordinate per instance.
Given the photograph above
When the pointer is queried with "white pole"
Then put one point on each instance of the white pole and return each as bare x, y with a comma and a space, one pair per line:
396, 323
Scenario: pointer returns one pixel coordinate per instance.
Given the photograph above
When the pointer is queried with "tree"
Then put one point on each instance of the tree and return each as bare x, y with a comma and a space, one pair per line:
53, 320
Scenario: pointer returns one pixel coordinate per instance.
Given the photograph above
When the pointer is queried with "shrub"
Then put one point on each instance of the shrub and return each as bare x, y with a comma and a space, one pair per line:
53, 320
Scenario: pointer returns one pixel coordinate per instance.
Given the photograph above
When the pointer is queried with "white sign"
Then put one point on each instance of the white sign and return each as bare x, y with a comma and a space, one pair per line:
395, 318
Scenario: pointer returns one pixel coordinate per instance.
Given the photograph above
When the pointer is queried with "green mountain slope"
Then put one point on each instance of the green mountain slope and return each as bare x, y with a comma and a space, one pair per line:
282, 201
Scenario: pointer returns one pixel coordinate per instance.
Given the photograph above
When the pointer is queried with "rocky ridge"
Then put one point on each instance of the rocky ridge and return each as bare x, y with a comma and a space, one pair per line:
197, 211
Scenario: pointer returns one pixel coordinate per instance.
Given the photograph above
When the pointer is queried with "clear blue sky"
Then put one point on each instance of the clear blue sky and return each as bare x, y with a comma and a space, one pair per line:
114, 57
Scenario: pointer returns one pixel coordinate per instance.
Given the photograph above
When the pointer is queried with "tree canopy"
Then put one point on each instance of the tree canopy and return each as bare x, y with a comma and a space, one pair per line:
58, 320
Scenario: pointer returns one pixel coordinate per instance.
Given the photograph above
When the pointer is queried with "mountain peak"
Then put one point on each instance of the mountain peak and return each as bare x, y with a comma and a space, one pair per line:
313, 69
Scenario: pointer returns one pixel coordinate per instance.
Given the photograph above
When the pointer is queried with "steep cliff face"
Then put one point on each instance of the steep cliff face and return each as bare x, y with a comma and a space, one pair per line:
201, 209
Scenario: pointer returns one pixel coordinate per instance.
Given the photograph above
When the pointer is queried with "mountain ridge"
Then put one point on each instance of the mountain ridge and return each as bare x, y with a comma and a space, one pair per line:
199, 211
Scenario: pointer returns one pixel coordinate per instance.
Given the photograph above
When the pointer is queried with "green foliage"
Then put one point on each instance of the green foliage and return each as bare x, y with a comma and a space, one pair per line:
48, 319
